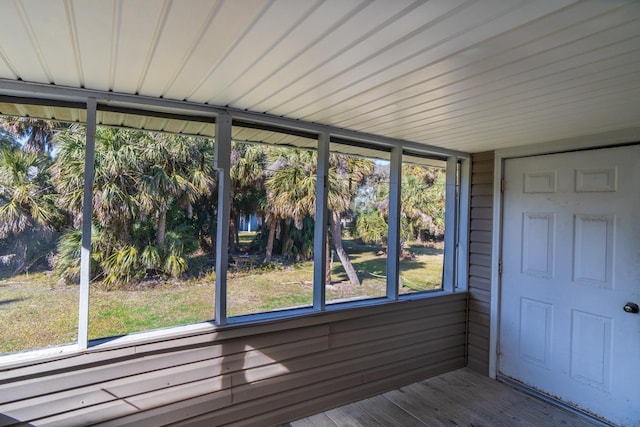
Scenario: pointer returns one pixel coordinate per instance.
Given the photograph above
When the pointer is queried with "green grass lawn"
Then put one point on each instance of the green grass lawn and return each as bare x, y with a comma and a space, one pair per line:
36, 312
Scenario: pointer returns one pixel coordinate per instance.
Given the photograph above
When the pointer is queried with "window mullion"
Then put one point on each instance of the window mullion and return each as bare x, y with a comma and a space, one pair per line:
393, 251
222, 164
462, 238
448, 281
320, 228
87, 205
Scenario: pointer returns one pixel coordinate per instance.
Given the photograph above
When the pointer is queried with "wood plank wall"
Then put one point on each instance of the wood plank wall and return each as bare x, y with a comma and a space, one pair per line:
480, 261
257, 375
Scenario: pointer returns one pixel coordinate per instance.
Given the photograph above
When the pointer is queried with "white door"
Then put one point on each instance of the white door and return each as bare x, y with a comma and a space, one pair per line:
571, 262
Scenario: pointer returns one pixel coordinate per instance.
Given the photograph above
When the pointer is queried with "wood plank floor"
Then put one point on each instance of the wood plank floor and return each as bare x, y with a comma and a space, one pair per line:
458, 398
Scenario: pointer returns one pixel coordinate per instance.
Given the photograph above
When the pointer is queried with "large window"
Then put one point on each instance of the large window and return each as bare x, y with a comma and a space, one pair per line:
271, 267
154, 209
192, 229
37, 309
358, 204
422, 225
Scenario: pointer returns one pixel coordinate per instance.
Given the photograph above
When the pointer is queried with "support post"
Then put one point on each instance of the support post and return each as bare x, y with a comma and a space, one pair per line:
87, 210
222, 163
449, 273
320, 228
462, 238
393, 237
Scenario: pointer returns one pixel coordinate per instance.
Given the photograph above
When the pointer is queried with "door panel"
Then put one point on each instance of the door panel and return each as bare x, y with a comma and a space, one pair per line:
571, 260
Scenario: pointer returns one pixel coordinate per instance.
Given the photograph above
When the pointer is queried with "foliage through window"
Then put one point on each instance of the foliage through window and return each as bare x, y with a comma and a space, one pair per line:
35, 309
421, 227
358, 191
154, 222
271, 268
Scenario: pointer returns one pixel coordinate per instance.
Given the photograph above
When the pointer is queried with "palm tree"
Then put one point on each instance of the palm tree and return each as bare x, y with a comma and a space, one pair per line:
346, 174
116, 176
28, 209
423, 201
175, 170
290, 186
37, 134
247, 184
422, 207
145, 187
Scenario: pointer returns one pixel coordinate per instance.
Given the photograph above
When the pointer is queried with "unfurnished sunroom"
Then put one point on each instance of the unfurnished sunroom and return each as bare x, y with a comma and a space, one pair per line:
248, 212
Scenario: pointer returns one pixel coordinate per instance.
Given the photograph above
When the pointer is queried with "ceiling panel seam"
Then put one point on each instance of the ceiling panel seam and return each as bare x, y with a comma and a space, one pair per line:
340, 52
166, 7
314, 42
507, 108
212, 70
115, 42
277, 41
189, 52
428, 83
401, 60
34, 41
75, 45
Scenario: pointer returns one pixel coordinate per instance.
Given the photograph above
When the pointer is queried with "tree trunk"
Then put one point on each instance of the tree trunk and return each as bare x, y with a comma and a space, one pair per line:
162, 226
233, 248
270, 240
336, 233
286, 244
20, 258
327, 274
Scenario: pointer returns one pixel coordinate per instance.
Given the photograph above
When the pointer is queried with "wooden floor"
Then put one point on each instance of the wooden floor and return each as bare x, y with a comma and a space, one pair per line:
458, 398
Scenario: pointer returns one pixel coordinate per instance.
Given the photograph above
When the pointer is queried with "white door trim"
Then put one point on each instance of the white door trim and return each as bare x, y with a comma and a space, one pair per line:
572, 144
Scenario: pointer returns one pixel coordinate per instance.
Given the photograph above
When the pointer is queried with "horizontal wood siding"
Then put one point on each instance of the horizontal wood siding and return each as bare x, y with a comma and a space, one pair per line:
255, 375
480, 261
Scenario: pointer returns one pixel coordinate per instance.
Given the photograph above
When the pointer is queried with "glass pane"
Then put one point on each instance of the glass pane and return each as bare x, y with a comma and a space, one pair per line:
422, 227
358, 210
271, 229
153, 216
37, 308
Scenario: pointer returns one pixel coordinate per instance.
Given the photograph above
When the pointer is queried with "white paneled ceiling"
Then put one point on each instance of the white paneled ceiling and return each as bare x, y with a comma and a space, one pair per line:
467, 75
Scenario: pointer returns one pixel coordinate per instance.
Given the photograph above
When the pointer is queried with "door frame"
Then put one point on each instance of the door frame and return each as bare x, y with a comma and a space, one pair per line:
601, 140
